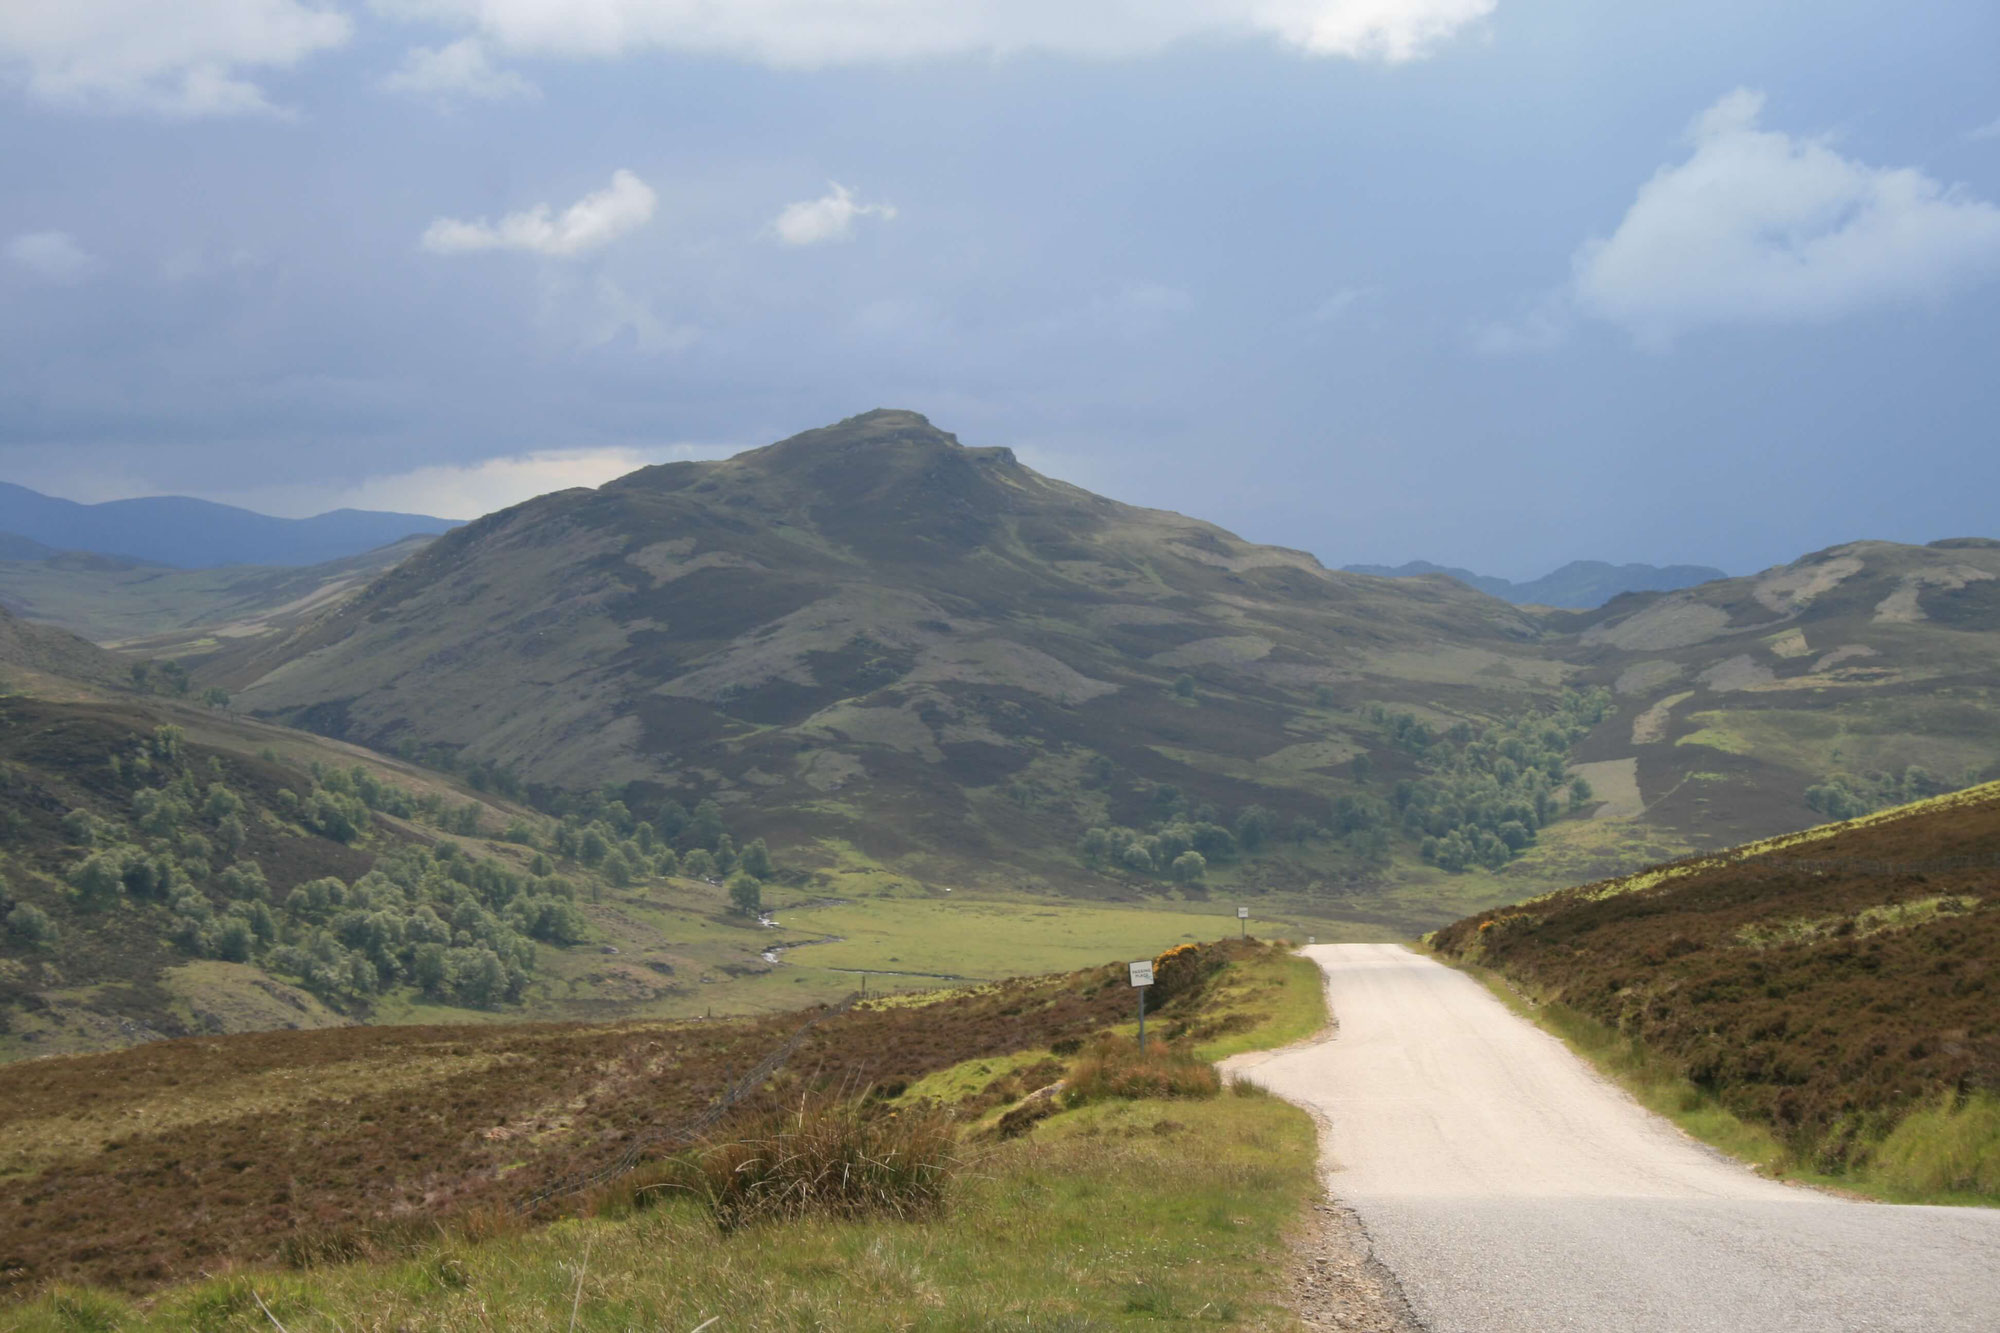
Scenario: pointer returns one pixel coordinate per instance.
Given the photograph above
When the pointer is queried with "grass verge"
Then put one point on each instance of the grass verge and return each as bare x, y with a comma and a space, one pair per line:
1948, 1153
1117, 1215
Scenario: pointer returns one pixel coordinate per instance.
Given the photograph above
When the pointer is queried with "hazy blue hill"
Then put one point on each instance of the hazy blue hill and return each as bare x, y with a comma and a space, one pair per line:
1579, 585
197, 534
15, 547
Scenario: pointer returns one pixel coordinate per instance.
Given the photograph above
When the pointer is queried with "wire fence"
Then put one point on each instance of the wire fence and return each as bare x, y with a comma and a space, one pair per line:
687, 1131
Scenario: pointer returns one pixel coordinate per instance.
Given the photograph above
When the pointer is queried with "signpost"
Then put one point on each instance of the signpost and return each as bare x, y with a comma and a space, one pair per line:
1243, 921
1142, 977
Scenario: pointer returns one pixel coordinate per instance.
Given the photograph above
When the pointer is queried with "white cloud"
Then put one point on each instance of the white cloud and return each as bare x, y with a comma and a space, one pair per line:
1990, 131
827, 218
1336, 306
835, 32
462, 69
617, 313
1388, 30
591, 222
1761, 227
186, 57
468, 490
53, 256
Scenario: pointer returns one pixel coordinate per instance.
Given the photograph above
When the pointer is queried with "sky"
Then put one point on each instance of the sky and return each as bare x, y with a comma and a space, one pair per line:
1494, 283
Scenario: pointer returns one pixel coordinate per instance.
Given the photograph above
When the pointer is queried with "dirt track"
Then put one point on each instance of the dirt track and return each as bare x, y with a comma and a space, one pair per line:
1512, 1190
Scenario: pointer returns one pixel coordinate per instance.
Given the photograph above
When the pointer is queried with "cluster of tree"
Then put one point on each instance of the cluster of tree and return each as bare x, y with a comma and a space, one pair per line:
1847, 796
171, 679
1181, 841
1486, 793
479, 774
596, 830
455, 927
341, 799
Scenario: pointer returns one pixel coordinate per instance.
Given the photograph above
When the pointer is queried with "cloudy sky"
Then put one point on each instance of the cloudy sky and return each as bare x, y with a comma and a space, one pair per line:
1499, 283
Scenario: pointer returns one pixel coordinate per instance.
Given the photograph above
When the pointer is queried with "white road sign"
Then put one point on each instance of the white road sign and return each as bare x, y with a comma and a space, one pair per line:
1242, 914
1142, 973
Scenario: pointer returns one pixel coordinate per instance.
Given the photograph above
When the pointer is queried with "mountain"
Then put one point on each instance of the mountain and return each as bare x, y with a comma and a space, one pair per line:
901, 659
198, 534
1578, 585
873, 634
1842, 671
163, 611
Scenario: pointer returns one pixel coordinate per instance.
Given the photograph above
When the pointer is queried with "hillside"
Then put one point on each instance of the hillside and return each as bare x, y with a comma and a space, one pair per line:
294, 1148
883, 650
1579, 585
870, 633
1835, 988
167, 869
1856, 677
162, 611
48, 651
199, 534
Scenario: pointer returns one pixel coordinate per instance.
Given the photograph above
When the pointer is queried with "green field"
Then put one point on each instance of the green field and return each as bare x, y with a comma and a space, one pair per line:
822, 949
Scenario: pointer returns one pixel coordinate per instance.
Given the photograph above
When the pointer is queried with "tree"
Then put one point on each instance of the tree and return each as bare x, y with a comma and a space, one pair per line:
1095, 846
233, 940
1184, 687
80, 828
705, 828
1189, 867
1253, 826
746, 895
32, 924
698, 864
98, 879
756, 859
1580, 795
617, 869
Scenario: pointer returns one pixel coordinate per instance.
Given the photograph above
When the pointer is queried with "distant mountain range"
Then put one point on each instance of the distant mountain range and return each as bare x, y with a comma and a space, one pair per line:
1580, 585
193, 534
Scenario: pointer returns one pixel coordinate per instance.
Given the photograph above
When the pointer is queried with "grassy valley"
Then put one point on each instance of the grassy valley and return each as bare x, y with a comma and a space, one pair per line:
940, 688
162, 611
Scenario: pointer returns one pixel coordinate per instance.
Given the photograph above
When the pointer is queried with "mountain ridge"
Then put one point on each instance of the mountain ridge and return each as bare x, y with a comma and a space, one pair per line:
1580, 585
189, 533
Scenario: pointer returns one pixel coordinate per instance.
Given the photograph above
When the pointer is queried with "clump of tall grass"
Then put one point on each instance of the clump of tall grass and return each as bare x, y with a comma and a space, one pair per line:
1945, 1148
821, 1158
1115, 1067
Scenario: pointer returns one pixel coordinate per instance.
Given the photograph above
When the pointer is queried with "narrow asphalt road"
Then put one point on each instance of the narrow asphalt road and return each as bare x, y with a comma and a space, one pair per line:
1512, 1190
